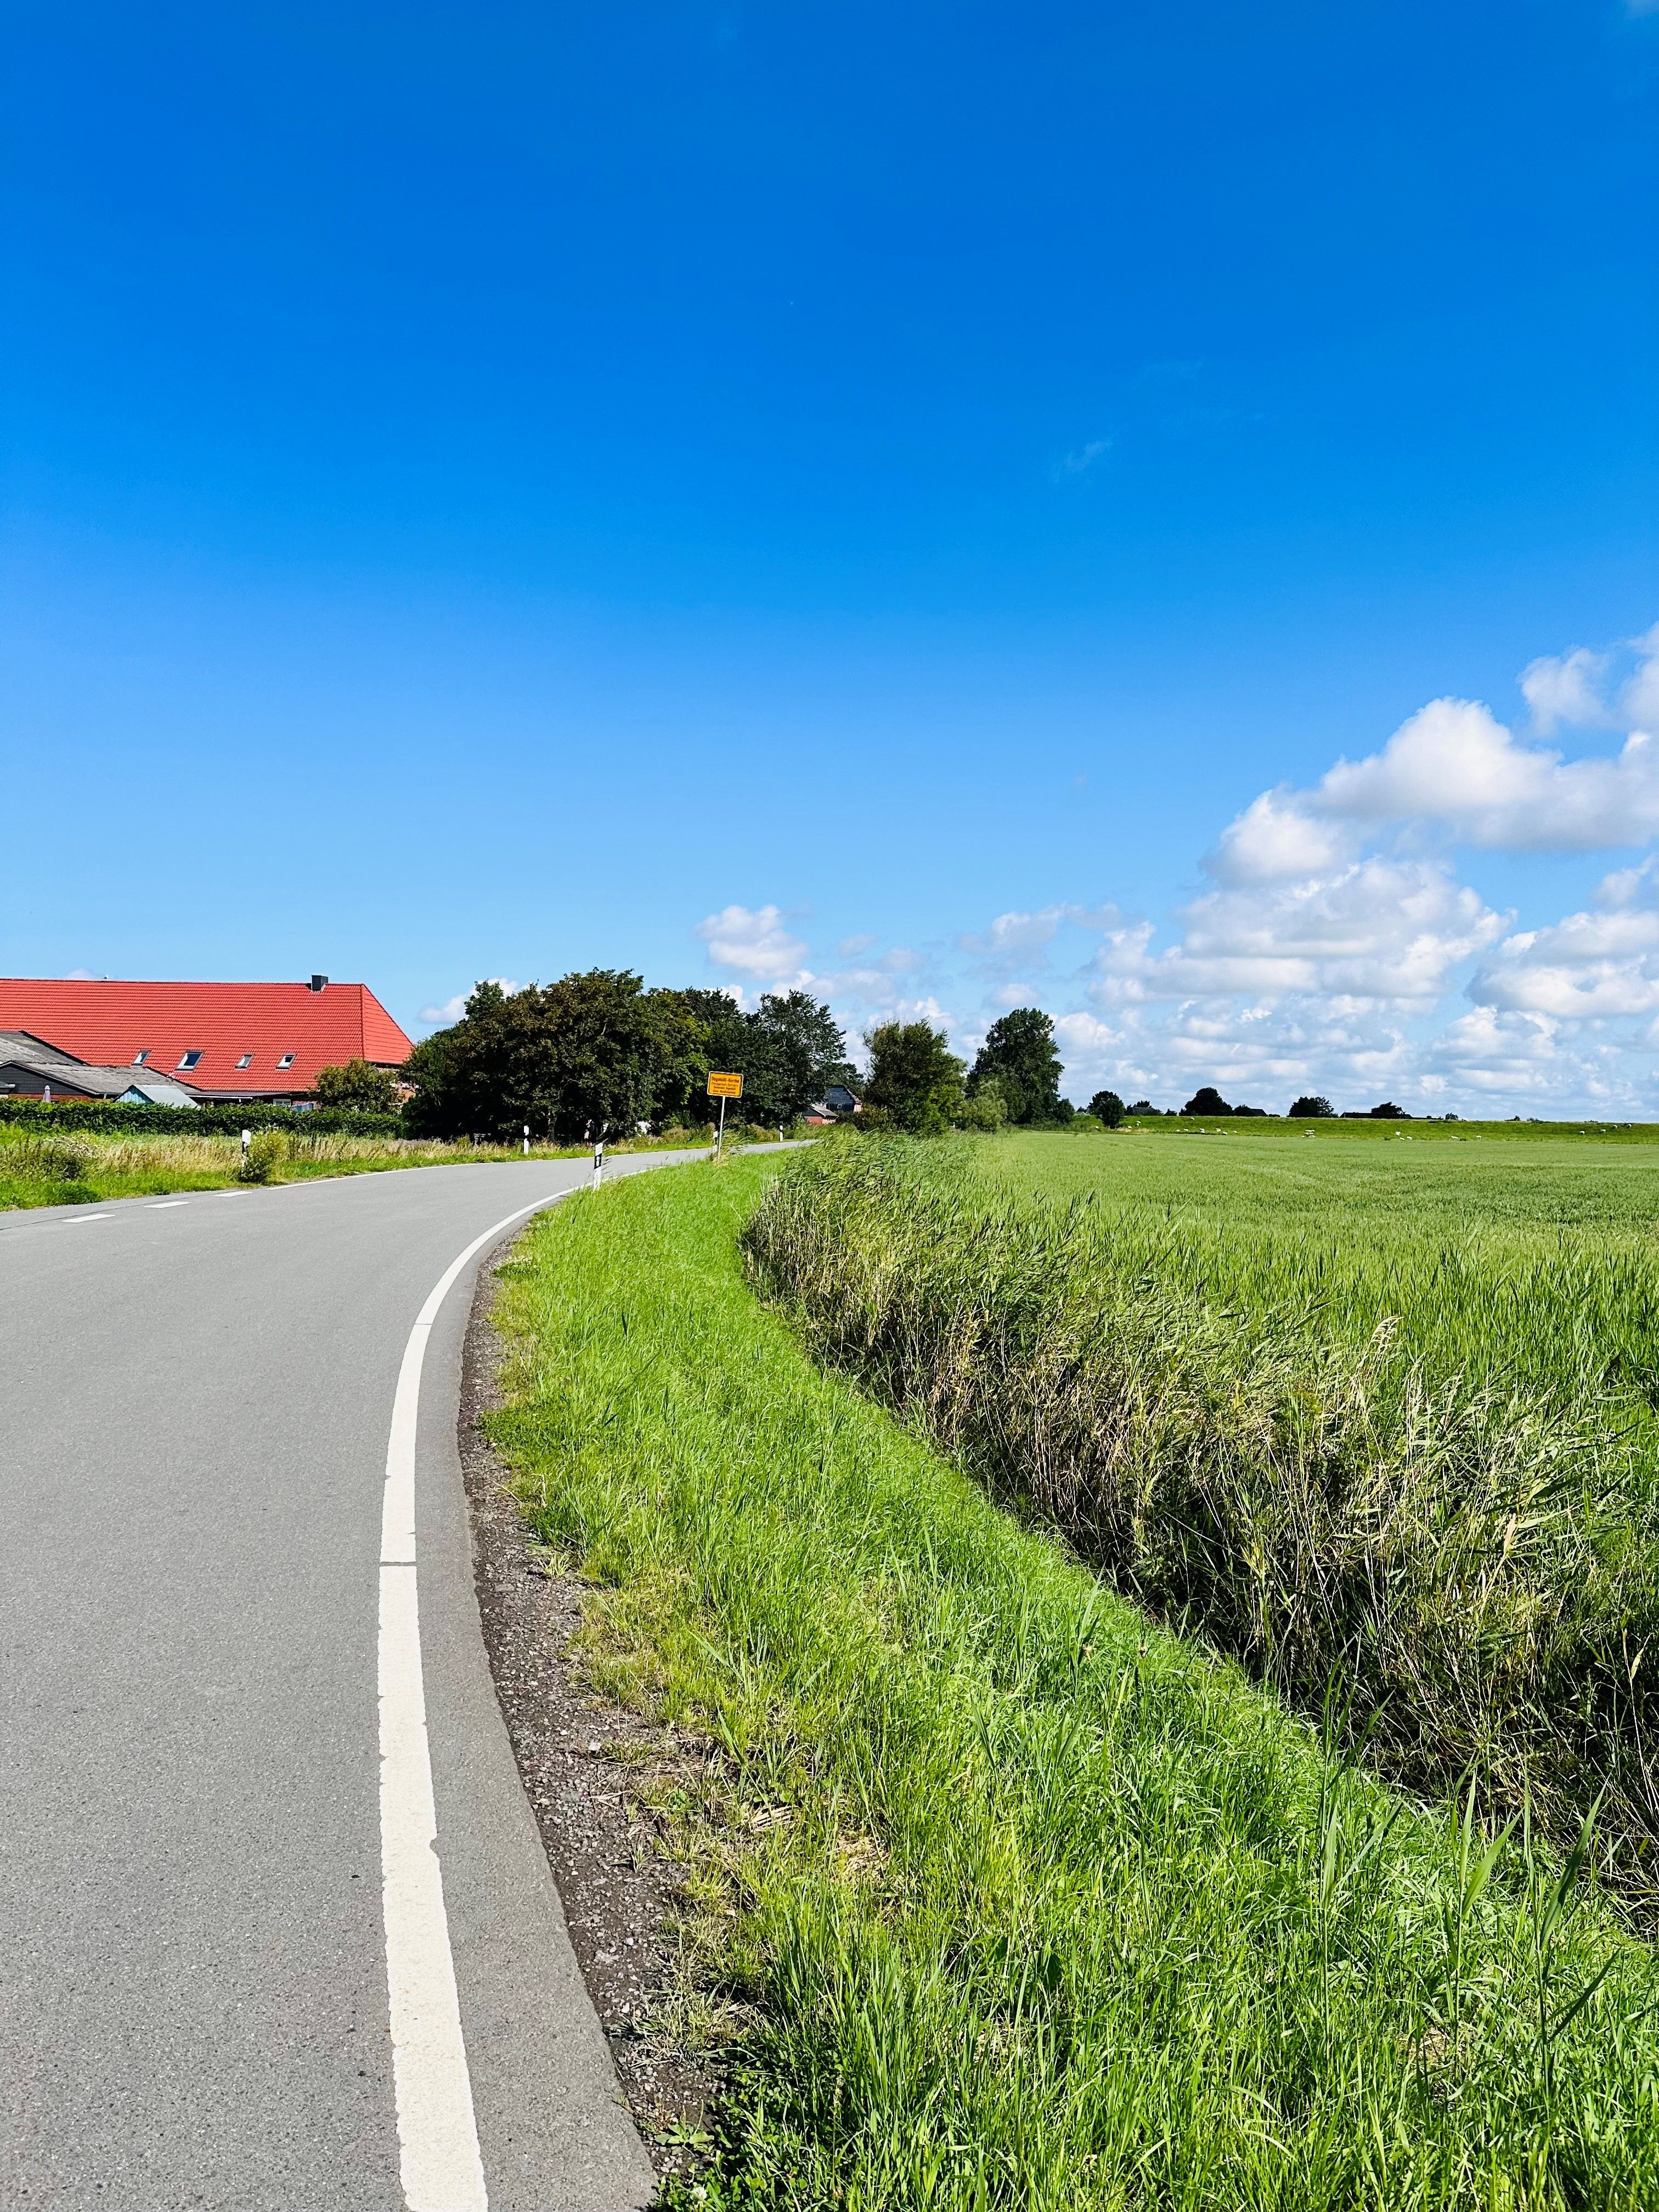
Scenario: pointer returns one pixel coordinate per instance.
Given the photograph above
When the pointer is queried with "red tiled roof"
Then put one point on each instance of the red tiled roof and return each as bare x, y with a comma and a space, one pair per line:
110, 1023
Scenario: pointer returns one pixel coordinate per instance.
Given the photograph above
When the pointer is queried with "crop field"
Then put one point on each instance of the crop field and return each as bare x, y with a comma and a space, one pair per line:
998, 1894
1377, 1417
1501, 1253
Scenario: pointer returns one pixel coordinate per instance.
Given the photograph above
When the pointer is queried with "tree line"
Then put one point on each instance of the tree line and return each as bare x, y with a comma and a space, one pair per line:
597, 1053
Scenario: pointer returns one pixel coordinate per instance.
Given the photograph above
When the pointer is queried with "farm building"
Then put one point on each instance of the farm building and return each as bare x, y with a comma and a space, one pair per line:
32, 1068
229, 1041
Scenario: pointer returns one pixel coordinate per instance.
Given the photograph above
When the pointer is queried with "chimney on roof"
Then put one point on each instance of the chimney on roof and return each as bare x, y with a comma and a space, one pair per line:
319, 982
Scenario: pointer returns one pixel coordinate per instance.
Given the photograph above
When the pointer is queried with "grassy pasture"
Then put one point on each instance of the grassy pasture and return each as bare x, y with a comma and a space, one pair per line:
999, 1895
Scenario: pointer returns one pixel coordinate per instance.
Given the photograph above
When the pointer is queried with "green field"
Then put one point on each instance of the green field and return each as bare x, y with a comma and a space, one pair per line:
999, 1895
1377, 1417
1515, 1252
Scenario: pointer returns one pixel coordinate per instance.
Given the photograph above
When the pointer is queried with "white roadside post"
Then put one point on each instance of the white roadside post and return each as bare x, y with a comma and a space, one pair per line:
598, 1162
526, 1141
247, 1139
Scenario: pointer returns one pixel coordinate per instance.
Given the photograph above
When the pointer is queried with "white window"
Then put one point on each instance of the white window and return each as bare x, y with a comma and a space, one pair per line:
246, 1060
139, 1058
189, 1060
287, 1060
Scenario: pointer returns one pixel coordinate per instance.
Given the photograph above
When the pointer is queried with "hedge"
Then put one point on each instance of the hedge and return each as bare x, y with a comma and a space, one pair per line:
111, 1119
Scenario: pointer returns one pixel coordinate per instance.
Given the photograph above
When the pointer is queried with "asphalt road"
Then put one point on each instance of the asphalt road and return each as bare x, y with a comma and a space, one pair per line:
196, 1400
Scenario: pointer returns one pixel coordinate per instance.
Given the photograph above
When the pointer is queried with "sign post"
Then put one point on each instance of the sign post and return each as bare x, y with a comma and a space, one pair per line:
723, 1087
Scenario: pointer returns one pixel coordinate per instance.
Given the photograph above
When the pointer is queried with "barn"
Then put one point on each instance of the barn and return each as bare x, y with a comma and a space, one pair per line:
224, 1042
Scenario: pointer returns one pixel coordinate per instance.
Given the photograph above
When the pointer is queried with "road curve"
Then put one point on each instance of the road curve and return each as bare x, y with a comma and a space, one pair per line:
197, 1401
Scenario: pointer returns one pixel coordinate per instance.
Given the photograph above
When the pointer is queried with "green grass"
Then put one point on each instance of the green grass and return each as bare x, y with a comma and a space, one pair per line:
1326, 1438
45, 1168
1534, 1258
1004, 1897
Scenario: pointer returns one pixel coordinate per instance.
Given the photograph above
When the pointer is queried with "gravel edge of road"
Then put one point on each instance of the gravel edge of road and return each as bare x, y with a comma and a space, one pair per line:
578, 1756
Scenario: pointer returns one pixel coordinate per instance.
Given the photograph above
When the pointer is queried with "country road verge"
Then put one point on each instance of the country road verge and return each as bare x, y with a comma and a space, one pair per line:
994, 1893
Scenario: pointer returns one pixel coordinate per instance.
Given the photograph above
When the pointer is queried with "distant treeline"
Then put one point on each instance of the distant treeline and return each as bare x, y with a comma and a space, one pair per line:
597, 1053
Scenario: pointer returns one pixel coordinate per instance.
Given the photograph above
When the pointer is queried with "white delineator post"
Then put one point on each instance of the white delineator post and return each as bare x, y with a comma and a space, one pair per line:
526, 1141
247, 1139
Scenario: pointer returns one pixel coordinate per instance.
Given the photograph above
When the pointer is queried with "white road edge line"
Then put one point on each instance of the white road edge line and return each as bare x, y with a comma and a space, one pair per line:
437, 2131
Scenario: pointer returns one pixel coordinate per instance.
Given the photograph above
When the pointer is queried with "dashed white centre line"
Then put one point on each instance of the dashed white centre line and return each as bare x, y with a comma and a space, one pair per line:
161, 1205
437, 2130
75, 1220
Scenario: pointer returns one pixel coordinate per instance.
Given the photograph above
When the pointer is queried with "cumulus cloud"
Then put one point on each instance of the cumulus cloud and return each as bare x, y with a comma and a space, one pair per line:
754, 944
450, 1009
1639, 699
1565, 688
1452, 767
1377, 929
1336, 945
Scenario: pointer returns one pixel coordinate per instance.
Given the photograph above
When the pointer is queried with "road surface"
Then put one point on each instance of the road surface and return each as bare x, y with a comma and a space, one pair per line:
241, 1677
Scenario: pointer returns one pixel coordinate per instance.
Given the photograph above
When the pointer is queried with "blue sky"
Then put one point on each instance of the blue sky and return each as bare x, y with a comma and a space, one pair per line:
874, 496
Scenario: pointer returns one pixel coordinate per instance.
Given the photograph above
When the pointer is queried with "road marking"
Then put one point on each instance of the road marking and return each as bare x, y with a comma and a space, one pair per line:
161, 1205
437, 2130
75, 1220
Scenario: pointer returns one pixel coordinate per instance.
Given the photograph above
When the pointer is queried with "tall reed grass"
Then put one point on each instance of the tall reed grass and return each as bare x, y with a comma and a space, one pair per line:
1469, 1557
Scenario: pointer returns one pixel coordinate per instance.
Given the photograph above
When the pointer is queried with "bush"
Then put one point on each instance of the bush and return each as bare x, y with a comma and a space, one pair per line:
356, 1088
267, 1155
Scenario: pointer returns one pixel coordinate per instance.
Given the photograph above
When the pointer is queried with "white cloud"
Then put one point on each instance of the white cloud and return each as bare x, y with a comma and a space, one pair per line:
1084, 456
453, 1008
1566, 689
1590, 966
1378, 929
1454, 767
1275, 837
1640, 696
753, 944
1336, 946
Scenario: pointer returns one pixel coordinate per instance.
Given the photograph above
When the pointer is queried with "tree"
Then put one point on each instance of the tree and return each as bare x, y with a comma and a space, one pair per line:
592, 1052
788, 1052
1312, 1107
356, 1088
1206, 1100
1388, 1111
915, 1077
1019, 1055
1108, 1109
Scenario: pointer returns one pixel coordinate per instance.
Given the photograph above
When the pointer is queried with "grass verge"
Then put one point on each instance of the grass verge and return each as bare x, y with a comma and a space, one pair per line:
47, 1168
1000, 1896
